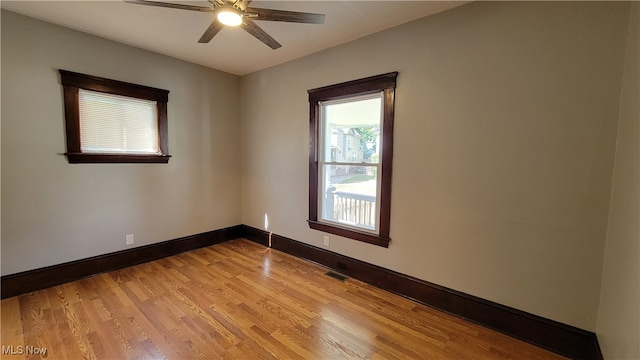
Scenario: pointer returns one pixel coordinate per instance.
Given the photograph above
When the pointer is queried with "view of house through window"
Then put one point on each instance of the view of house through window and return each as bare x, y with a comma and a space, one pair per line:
350, 158
349, 168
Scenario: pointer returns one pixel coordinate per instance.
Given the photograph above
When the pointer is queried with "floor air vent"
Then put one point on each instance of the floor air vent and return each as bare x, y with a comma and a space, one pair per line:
336, 276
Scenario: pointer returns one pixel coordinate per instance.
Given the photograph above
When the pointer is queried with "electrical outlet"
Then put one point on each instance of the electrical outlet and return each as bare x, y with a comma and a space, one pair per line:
129, 239
326, 240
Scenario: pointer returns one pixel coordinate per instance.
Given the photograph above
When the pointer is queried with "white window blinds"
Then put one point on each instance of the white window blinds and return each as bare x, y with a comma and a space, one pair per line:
117, 124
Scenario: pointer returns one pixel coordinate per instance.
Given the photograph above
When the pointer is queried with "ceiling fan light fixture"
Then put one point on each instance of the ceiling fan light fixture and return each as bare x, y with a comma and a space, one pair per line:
228, 15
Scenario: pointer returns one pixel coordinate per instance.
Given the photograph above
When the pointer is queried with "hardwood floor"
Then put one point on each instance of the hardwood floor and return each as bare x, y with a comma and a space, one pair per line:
237, 301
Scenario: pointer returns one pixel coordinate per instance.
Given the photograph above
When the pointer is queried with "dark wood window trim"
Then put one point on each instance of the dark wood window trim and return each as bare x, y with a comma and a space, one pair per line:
72, 82
385, 83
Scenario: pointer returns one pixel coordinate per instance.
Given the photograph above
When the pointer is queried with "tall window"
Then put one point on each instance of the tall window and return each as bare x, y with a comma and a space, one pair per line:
350, 162
113, 121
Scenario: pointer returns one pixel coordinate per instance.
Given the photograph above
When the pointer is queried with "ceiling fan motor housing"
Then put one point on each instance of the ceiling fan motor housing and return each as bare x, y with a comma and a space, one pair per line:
229, 15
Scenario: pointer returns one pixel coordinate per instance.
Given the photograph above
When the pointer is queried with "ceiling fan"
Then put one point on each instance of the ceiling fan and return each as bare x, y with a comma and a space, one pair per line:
238, 13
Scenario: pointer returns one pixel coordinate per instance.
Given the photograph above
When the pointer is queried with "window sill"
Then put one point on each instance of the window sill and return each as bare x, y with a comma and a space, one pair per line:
85, 158
351, 234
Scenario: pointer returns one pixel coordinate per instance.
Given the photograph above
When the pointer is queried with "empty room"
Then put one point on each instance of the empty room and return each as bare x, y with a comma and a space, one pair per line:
237, 179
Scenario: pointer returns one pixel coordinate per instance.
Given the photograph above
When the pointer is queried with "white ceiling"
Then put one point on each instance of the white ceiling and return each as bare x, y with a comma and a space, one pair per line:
175, 32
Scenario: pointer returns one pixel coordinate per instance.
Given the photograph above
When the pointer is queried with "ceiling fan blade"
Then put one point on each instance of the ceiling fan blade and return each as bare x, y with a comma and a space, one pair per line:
283, 15
213, 29
242, 4
170, 5
255, 30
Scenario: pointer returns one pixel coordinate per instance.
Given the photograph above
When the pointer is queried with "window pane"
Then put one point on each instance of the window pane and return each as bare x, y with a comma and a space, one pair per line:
351, 131
117, 124
349, 195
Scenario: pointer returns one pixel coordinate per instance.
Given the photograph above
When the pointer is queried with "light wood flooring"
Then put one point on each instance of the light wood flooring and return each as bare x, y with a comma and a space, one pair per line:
237, 301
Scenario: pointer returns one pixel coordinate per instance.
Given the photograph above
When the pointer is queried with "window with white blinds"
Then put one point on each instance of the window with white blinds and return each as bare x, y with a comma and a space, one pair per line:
117, 124
111, 121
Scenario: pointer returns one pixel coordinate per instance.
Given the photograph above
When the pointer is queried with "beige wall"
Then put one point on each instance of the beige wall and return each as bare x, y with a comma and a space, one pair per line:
619, 313
53, 211
505, 132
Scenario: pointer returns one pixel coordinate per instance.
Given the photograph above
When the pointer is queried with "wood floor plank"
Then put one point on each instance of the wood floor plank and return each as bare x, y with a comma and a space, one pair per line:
239, 300
273, 345
12, 325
